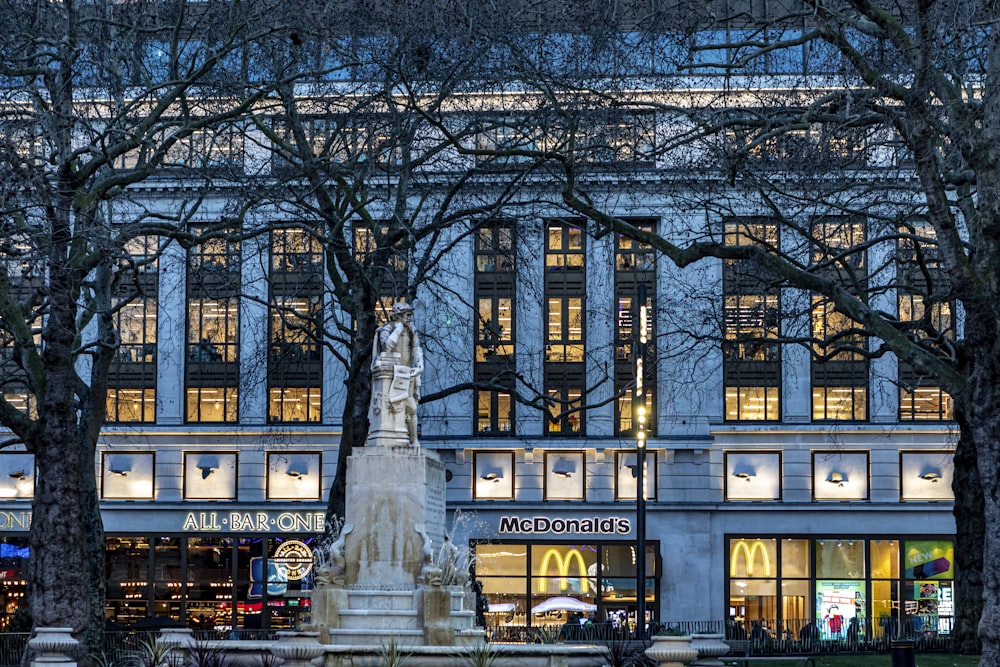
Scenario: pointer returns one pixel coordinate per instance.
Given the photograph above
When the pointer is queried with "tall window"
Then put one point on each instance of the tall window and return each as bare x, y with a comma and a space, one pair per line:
565, 324
382, 251
131, 393
928, 316
839, 360
494, 328
294, 362
635, 264
212, 368
751, 355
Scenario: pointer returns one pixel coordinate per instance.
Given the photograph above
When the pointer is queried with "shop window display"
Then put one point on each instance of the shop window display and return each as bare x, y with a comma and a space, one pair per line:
861, 588
562, 586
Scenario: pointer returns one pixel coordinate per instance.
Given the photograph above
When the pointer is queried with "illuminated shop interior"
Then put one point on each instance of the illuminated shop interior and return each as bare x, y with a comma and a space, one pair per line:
851, 588
544, 584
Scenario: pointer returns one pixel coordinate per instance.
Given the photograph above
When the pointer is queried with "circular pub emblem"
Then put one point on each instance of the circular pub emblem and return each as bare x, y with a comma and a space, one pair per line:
294, 558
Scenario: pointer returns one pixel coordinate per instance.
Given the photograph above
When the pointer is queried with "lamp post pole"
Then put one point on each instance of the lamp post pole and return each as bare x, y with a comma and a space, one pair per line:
639, 413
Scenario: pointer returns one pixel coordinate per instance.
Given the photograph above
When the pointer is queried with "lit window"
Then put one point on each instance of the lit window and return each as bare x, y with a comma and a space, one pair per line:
295, 404
212, 404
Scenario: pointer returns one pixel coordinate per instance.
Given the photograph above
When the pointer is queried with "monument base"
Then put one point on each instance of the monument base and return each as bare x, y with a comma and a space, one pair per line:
392, 589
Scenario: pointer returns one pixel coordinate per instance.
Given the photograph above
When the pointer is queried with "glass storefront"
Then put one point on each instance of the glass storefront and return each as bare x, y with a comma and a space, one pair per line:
549, 584
839, 588
210, 583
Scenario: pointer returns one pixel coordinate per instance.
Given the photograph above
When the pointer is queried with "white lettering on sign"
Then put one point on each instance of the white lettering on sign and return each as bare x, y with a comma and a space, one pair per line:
614, 525
254, 522
15, 520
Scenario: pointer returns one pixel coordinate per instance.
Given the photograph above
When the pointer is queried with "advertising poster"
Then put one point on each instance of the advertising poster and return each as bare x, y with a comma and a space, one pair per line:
840, 608
929, 559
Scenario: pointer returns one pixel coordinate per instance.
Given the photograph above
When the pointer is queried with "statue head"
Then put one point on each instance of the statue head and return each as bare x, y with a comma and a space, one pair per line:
401, 308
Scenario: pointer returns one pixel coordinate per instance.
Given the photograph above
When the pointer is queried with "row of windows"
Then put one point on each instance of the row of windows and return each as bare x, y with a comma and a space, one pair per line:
750, 336
131, 475
750, 475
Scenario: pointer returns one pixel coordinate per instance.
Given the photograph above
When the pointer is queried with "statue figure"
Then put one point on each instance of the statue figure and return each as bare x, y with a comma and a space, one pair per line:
333, 566
429, 573
397, 347
448, 561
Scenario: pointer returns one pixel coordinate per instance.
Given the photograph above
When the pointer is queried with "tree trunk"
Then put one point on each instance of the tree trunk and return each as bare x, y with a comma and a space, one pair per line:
970, 531
984, 422
359, 390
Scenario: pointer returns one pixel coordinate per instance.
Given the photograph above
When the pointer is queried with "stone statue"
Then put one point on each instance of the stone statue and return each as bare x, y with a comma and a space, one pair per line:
430, 574
333, 565
397, 363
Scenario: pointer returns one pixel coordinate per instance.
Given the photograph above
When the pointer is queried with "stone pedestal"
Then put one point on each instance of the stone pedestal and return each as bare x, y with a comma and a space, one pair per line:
396, 514
392, 492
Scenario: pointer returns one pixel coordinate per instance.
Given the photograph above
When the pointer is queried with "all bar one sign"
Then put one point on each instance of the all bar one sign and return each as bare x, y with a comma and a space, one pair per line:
255, 522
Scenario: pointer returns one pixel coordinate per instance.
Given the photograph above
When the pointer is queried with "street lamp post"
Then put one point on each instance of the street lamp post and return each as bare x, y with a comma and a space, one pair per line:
639, 412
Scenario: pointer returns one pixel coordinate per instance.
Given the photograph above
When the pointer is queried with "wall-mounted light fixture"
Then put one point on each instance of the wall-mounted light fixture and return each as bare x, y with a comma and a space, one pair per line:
492, 476
208, 465
931, 475
564, 468
838, 478
745, 475
297, 469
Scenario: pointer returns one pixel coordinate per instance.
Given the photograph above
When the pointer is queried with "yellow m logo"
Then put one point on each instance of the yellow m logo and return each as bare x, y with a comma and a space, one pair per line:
562, 565
750, 554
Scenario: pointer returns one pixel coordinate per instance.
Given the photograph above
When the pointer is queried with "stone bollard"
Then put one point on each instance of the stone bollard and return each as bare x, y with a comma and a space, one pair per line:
53, 646
297, 649
671, 651
710, 646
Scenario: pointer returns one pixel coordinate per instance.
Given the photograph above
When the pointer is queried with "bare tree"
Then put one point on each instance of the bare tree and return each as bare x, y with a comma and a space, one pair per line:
98, 98
811, 114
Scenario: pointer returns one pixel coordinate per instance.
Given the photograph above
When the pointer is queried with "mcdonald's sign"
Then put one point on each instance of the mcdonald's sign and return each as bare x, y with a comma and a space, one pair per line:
563, 564
749, 552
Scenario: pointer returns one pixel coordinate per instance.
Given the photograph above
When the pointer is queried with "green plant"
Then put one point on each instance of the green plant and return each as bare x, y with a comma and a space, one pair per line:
481, 655
672, 631
149, 653
204, 654
545, 634
392, 654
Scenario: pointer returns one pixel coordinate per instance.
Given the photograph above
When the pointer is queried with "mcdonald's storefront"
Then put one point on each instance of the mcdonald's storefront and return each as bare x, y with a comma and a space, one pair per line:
851, 587
544, 583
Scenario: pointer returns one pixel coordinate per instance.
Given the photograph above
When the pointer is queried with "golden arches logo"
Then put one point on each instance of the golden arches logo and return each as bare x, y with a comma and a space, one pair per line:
562, 564
750, 553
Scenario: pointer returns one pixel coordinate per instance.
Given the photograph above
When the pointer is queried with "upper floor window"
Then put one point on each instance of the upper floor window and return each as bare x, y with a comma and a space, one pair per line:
294, 329
635, 273
495, 291
219, 255
213, 330
839, 351
382, 250
295, 251
206, 149
495, 248
564, 247
926, 315
751, 311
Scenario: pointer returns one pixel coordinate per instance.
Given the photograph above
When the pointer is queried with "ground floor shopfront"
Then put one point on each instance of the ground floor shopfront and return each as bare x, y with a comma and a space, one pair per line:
249, 569
826, 573
840, 587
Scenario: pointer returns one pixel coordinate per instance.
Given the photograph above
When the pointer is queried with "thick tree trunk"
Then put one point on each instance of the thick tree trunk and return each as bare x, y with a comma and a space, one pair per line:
984, 422
359, 390
60, 571
969, 534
